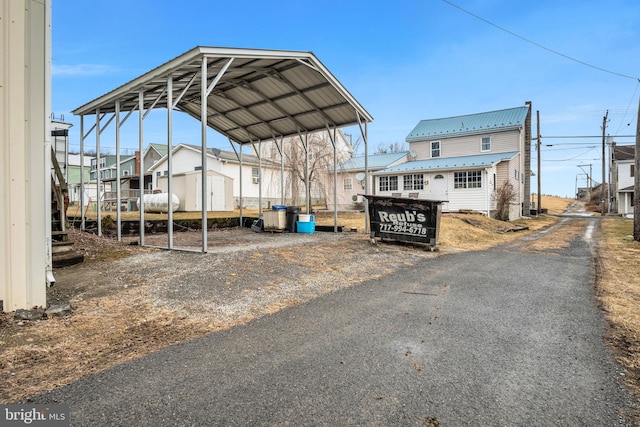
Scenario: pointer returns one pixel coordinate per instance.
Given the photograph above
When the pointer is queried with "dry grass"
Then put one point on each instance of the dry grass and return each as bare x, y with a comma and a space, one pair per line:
555, 205
619, 294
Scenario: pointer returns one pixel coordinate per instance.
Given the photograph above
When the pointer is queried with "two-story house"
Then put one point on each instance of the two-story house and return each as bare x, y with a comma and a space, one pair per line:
622, 179
464, 161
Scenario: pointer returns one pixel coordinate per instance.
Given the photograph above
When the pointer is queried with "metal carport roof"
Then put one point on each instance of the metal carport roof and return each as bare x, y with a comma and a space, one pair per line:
247, 95
252, 94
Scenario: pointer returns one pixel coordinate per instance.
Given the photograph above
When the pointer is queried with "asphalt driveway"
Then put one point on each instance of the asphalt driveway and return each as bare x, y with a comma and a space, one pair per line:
500, 337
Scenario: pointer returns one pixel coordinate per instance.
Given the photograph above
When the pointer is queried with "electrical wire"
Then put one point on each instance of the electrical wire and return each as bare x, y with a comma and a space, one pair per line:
633, 97
541, 46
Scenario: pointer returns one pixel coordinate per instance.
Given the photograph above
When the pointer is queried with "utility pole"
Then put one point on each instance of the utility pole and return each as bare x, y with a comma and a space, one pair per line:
539, 162
604, 181
589, 179
636, 183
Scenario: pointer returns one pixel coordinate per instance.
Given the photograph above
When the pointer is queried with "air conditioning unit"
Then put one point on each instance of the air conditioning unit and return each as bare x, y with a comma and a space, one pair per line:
255, 179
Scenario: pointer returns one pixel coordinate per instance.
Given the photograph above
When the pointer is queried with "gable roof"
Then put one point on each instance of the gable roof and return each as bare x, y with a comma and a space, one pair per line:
161, 149
451, 163
491, 121
624, 152
250, 94
376, 161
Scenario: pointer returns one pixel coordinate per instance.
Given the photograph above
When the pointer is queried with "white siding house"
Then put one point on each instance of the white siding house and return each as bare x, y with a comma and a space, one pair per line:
187, 159
623, 170
463, 160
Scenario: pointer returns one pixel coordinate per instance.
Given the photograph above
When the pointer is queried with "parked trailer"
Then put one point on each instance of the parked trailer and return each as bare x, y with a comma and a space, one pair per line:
408, 220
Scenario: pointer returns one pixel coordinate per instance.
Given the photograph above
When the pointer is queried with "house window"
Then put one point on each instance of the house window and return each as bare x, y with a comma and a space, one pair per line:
158, 174
515, 174
486, 143
348, 184
467, 179
435, 148
413, 182
197, 168
632, 171
255, 172
388, 183
166, 173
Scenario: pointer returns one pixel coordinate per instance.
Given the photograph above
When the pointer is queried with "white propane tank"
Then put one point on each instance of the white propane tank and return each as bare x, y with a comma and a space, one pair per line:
159, 202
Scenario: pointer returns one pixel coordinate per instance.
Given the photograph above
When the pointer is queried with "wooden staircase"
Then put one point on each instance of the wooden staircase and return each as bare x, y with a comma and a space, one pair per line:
62, 251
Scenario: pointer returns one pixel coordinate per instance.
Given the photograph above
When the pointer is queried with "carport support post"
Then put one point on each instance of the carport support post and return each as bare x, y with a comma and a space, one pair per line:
169, 157
118, 185
306, 171
364, 132
281, 149
98, 219
141, 174
203, 136
82, 226
259, 176
332, 138
239, 157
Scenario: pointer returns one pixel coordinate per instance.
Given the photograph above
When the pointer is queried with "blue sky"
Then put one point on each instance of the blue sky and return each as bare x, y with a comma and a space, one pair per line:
404, 61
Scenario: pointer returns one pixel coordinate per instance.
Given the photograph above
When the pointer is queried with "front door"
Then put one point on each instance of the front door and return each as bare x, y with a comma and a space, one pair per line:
439, 187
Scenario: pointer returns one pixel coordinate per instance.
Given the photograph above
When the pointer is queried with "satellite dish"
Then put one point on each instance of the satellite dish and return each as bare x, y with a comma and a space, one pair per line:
360, 176
413, 154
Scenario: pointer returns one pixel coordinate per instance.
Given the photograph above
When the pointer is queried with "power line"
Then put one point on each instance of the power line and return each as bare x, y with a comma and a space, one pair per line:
539, 45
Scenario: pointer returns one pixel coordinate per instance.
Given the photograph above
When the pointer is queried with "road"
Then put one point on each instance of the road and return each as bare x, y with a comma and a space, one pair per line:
508, 337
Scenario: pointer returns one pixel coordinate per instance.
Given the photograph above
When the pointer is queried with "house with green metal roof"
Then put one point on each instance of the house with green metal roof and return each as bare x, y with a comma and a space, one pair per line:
464, 161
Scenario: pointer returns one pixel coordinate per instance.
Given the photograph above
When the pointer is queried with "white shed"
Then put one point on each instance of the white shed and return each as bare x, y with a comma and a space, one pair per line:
188, 187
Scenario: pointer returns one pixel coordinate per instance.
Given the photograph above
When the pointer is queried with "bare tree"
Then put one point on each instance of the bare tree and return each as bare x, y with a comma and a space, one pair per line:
394, 147
320, 154
504, 196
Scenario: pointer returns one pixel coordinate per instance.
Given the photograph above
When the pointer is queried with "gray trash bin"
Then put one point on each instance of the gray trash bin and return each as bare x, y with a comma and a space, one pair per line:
292, 217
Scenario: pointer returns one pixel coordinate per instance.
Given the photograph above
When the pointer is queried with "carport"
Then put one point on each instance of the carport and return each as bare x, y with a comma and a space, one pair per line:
250, 96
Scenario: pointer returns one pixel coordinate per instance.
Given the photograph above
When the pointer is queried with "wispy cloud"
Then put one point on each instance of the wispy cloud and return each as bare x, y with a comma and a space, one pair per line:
82, 70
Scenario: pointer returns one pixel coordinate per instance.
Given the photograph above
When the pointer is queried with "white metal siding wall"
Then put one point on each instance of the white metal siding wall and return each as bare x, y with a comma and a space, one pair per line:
24, 122
624, 174
469, 145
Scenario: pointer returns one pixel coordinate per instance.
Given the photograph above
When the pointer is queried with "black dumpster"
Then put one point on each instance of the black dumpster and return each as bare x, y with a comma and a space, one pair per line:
408, 220
292, 217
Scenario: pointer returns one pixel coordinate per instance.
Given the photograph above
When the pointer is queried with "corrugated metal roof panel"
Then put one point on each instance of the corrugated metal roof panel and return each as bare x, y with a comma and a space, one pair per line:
450, 163
469, 124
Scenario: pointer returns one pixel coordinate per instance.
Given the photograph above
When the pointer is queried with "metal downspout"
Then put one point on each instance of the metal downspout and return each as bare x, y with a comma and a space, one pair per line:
487, 206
